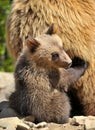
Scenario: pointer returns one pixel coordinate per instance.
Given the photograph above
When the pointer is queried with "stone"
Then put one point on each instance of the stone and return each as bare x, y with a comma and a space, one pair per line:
8, 112
4, 104
12, 123
78, 120
88, 122
66, 126
7, 85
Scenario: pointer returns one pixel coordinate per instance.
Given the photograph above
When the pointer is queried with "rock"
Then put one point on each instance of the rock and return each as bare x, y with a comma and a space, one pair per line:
12, 123
39, 125
8, 112
78, 120
4, 104
6, 85
66, 126
76, 123
88, 122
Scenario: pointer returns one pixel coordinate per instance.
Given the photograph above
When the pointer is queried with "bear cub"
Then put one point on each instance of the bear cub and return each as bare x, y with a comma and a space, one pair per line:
42, 77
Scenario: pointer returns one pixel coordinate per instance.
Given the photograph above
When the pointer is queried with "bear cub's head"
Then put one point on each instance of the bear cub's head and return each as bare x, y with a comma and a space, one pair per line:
47, 50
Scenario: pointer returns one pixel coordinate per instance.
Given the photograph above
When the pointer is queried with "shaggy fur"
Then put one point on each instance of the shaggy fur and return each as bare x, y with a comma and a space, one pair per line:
77, 23
41, 84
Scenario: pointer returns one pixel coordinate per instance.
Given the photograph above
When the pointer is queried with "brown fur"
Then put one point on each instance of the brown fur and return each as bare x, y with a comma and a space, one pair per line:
77, 23
41, 83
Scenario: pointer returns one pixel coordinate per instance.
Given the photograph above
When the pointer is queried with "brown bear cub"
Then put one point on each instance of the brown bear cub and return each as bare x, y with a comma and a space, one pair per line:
41, 80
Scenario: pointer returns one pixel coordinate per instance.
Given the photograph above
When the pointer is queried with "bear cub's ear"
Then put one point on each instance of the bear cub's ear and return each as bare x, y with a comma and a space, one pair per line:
53, 29
32, 44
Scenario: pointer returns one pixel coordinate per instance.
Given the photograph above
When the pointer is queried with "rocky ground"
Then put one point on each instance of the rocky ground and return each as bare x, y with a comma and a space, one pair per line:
10, 120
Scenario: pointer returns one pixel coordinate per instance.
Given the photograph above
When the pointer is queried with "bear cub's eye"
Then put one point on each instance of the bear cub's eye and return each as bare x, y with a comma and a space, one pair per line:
55, 56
